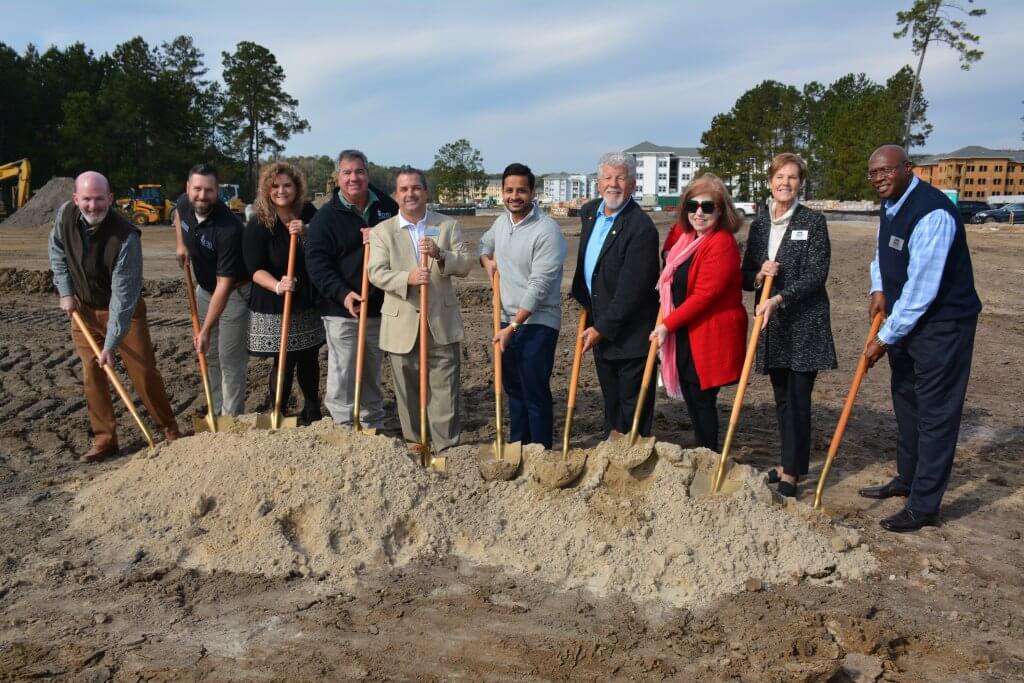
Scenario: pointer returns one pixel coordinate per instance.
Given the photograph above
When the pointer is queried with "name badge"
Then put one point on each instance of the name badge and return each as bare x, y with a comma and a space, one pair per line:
896, 243
432, 231
798, 235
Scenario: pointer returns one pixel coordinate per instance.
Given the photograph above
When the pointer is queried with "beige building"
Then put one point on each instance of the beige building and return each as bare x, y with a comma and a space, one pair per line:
976, 172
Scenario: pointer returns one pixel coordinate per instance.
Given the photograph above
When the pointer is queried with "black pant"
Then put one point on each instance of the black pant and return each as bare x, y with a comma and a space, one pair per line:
930, 369
793, 415
702, 406
526, 365
307, 363
620, 384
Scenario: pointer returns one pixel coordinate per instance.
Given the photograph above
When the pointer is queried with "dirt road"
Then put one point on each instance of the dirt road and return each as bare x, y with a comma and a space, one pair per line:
947, 604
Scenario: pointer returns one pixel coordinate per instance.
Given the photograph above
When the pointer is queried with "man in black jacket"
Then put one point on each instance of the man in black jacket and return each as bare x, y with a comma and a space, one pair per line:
334, 259
616, 272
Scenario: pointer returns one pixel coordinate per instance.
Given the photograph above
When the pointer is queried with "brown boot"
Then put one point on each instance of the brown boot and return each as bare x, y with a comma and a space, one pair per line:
98, 453
171, 434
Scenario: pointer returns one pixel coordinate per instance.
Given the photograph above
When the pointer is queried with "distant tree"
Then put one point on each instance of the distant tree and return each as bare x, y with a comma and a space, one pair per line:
930, 21
320, 172
258, 116
458, 171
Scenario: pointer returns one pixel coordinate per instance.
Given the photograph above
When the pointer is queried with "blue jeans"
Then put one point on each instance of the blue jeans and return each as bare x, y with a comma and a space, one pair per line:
527, 363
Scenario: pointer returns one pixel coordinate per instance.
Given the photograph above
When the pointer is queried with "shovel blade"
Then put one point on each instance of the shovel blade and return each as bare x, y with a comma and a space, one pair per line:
266, 421
500, 462
624, 455
214, 423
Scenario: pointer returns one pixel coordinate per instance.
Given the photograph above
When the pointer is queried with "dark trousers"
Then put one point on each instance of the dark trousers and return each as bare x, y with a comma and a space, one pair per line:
620, 384
793, 414
526, 366
305, 364
930, 369
702, 407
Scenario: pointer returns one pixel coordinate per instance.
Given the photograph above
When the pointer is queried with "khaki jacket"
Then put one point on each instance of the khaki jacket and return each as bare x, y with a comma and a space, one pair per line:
392, 258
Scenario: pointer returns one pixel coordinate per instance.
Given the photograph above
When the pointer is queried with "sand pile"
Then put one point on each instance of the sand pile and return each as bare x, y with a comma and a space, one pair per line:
319, 501
43, 205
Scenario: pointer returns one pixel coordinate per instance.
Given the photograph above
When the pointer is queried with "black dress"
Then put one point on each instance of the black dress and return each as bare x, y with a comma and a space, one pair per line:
266, 249
684, 358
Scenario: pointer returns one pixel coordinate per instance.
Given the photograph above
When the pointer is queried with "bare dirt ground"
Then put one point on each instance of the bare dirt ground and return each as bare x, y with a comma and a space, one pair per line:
947, 604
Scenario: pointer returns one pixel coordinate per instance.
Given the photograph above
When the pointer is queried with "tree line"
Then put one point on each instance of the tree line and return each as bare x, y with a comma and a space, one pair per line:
143, 114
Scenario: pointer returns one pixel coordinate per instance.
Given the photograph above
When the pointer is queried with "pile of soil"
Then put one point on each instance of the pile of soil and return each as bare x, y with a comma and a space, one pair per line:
43, 205
335, 504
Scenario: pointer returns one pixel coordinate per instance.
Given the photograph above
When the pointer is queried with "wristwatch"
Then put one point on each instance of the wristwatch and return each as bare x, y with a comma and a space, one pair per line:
878, 340
515, 326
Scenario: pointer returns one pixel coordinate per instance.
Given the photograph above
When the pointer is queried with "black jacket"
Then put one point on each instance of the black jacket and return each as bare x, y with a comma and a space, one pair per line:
799, 335
334, 252
624, 304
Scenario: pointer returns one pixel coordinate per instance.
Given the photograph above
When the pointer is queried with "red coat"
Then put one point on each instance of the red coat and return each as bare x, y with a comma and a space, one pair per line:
713, 312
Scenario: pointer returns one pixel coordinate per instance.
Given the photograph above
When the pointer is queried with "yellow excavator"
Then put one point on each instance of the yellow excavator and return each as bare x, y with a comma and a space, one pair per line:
147, 205
229, 195
22, 172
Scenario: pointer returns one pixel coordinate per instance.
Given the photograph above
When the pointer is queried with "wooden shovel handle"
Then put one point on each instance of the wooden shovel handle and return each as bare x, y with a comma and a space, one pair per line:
645, 384
577, 360
424, 337
364, 294
112, 376
844, 417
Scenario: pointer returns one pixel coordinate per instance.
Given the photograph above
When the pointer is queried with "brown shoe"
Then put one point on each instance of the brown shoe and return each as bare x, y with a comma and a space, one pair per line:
171, 434
98, 453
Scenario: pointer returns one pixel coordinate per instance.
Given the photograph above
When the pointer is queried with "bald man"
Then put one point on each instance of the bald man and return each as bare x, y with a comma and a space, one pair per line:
96, 257
922, 280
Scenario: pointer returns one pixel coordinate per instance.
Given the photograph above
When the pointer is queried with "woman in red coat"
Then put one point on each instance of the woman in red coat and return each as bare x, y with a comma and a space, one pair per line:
702, 334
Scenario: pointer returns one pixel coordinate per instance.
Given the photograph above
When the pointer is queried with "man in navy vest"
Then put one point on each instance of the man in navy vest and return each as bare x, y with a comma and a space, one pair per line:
922, 280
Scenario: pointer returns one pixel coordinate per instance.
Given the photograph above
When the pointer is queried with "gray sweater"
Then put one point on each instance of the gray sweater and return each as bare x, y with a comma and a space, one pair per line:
530, 257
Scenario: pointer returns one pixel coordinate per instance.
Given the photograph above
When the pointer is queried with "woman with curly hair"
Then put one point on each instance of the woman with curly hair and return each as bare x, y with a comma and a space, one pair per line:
281, 210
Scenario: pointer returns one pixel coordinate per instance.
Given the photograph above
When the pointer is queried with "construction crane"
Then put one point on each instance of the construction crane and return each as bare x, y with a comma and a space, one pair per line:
21, 171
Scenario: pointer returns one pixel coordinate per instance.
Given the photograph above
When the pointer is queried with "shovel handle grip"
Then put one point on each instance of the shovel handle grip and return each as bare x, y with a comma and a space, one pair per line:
424, 337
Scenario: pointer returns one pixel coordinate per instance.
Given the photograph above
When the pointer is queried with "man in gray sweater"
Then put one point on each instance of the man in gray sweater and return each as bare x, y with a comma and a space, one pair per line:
527, 248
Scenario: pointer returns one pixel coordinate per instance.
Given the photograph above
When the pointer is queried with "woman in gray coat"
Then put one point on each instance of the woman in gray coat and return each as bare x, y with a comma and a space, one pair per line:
790, 242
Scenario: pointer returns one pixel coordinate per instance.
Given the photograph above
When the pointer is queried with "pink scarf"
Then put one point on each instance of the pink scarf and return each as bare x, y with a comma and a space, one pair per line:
681, 250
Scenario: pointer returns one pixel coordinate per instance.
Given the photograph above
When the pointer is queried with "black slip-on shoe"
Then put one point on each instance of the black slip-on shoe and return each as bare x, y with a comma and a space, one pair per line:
908, 520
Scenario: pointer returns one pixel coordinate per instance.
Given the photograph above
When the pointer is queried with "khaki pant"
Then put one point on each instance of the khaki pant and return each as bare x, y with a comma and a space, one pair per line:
228, 355
136, 352
339, 396
444, 393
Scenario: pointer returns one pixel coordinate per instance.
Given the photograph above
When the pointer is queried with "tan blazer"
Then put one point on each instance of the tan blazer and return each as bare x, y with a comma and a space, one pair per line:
392, 258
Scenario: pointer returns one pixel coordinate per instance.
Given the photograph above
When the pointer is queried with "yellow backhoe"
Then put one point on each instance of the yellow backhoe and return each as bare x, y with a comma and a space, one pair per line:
147, 205
21, 171
229, 195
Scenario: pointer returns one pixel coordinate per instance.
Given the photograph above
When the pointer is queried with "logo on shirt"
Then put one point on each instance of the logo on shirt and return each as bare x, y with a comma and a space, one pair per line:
381, 214
206, 242
896, 243
798, 235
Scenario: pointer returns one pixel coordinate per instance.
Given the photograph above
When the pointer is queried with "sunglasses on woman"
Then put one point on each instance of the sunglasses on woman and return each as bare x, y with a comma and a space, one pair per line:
708, 206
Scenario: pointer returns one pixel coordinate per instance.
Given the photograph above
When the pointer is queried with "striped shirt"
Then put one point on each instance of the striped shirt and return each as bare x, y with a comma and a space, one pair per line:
928, 248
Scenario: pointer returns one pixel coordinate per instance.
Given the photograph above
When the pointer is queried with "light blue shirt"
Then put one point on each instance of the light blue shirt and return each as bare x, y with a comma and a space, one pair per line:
602, 226
928, 248
417, 231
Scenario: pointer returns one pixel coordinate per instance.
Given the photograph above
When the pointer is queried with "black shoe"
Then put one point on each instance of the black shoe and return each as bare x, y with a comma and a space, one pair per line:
787, 490
773, 476
891, 490
907, 520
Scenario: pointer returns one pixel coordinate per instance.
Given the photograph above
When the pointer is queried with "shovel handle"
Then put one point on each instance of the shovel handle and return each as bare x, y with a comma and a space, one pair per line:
574, 379
364, 294
741, 388
112, 376
496, 324
844, 417
424, 379
204, 372
286, 321
645, 384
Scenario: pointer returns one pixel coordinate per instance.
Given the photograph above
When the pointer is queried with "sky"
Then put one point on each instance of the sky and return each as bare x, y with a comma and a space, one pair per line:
555, 84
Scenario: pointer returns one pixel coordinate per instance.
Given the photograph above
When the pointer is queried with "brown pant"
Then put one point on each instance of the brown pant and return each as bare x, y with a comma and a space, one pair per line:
136, 351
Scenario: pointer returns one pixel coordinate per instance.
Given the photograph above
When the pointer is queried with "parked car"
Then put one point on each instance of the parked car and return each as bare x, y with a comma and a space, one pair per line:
745, 209
968, 209
1001, 215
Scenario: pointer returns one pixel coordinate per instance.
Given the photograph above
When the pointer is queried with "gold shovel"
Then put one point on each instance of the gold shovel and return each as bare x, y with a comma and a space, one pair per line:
212, 422
275, 420
630, 451
499, 460
741, 388
425, 453
112, 376
837, 436
364, 293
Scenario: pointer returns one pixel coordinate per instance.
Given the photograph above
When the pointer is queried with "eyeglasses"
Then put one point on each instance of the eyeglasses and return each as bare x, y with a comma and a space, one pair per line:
884, 172
708, 206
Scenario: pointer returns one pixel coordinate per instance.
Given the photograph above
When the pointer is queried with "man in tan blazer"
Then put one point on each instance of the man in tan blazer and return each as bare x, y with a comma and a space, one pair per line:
395, 249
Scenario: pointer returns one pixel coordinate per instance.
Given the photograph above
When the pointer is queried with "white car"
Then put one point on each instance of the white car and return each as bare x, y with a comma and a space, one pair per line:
745, 209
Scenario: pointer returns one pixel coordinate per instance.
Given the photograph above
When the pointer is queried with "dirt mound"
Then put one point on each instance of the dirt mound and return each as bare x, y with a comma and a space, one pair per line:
24, 281
43, 205
324, 502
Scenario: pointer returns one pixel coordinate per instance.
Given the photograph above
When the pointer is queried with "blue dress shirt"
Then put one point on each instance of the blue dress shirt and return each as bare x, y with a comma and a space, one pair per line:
928, 248
602, 226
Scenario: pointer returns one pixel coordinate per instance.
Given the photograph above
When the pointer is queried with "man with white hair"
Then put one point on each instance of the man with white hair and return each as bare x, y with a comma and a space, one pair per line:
96, 257
616, 271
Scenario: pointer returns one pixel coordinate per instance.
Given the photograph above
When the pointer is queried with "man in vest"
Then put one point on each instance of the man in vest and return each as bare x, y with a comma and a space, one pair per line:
922, 280
96, 257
